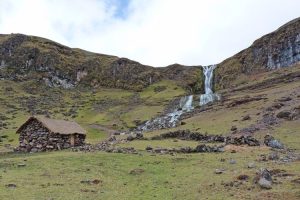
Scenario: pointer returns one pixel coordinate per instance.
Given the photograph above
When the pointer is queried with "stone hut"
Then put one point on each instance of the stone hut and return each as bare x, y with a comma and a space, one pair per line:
45, 134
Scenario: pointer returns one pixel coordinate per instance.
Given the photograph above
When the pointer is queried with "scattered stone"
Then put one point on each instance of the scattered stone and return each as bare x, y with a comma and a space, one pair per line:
205, 148
284, 115
112, 138
265, 184
251, 165
273, 156
284, 99
219, 171
241, 140
135, 136
149, 148
275, 106
233, 128
232, 162
265, 179
130, 138
106, 146
297, 180
243, 177
196, 136
11, 185
182, 123
247, 117
21, 165
137, 171
96, 181
271, 142
90, 182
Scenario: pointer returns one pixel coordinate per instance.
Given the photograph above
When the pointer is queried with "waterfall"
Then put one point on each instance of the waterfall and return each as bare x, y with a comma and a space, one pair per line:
171, 119
186, 103
209, 96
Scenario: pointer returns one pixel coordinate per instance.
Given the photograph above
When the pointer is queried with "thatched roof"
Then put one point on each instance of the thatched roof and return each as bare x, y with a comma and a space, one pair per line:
56, 126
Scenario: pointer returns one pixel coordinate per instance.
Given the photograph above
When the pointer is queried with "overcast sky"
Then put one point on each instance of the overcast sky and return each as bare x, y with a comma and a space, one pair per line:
153, 32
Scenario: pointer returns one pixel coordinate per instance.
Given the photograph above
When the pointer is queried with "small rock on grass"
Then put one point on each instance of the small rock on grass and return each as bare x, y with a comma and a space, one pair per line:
273, 156
219, 171
264, 183
265, 179
243, 177
11, 185
247, 117
232, 161
137, 171
251, 165
90, 182
21, 165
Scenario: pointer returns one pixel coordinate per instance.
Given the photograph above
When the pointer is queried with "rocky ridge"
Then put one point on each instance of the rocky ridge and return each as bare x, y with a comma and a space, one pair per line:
33, 58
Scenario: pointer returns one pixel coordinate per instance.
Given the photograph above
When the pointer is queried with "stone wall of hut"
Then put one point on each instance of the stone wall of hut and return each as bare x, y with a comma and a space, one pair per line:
34, 137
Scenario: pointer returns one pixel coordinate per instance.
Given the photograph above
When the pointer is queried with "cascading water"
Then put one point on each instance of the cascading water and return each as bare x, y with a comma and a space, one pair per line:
171, 119
186, 103
209, 96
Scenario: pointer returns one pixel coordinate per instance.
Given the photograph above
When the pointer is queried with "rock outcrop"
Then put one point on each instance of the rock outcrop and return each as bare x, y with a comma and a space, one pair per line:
25, 57
278, 49
33, 58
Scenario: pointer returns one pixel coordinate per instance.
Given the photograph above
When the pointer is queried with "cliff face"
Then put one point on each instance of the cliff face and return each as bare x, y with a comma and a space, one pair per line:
27, 57
278, 49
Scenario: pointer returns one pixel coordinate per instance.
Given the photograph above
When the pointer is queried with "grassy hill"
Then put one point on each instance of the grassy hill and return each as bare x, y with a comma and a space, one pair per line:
106, 94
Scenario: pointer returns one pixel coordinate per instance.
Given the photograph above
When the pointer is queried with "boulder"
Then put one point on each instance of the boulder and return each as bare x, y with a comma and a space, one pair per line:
284, 115
233, 128
265, 184
284, 99
247, 117
243, 177
265, 179
271, 142
251, 165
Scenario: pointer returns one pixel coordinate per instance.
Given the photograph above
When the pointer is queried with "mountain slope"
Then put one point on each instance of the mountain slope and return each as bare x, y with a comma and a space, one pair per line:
278, 49
28, 57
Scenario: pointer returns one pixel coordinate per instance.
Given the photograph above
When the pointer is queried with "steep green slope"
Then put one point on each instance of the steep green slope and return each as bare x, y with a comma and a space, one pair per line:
113, 109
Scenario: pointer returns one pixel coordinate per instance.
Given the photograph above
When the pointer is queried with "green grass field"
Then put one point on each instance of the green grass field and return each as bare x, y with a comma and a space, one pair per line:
99, 175
59, 175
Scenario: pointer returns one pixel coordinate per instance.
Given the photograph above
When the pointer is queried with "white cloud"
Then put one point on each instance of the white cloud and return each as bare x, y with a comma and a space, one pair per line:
156, 32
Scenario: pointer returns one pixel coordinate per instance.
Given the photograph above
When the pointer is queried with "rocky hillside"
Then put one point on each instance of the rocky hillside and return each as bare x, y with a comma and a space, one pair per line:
28, 57
278, 49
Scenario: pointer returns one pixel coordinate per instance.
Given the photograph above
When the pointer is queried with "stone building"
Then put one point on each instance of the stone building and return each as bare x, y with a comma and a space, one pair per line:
45, 134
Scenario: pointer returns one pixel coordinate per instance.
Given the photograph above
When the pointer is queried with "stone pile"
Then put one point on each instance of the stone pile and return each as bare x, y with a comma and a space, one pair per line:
202, 148
196, 136
188, 135
107, 146
242, 140
272, 142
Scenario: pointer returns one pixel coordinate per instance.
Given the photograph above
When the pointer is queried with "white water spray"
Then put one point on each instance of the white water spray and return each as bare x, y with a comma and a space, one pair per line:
186, 103
209, 96
171, 119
